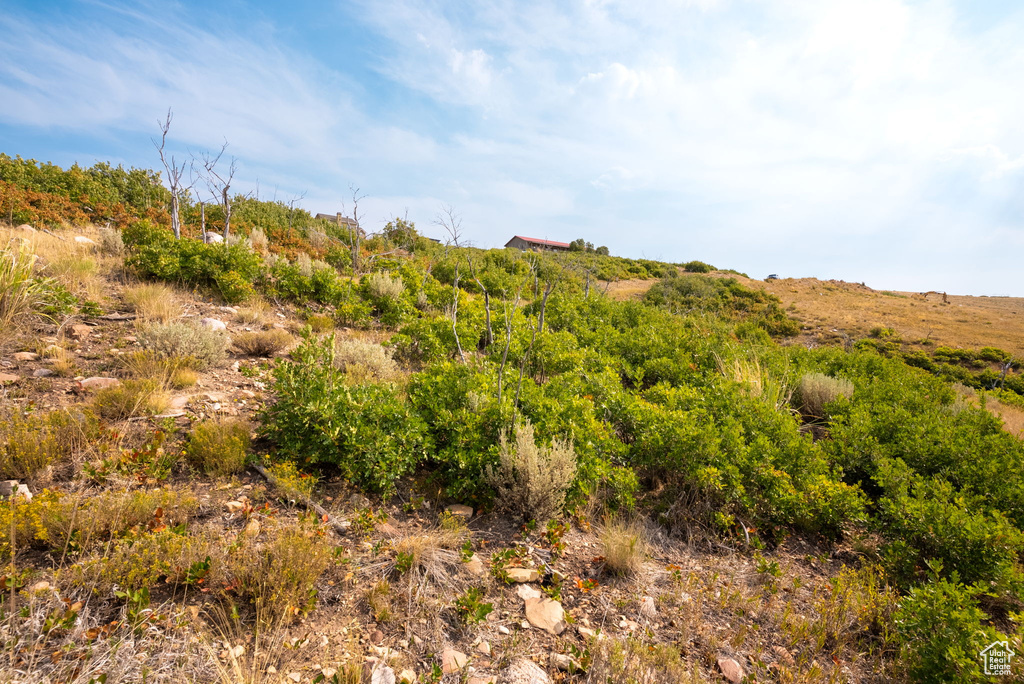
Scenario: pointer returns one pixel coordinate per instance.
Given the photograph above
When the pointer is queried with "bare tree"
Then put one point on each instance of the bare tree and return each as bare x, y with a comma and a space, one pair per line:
219, 183
455, 313
291, 208
354, 230
451, 222
509, 320
175, 173
487, 301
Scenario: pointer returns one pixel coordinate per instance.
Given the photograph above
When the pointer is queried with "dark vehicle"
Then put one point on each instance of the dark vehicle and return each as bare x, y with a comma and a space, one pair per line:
773, 276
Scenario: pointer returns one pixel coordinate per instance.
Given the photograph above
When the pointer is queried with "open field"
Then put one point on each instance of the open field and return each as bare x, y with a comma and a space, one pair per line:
832, 311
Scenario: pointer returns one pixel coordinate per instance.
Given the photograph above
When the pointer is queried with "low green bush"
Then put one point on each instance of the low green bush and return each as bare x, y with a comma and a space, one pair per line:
219, 446
368, 431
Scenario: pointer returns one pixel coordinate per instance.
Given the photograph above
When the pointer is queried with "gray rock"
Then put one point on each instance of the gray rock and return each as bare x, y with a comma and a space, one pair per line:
382, 674
212, 238
42, 373
213, 324
8, 487
523, 671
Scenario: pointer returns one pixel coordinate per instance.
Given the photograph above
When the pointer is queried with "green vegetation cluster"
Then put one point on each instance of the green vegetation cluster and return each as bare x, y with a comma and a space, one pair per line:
682, 405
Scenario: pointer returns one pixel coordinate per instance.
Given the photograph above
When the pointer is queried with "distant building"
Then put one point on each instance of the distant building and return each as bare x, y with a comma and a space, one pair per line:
342, 221
525, 243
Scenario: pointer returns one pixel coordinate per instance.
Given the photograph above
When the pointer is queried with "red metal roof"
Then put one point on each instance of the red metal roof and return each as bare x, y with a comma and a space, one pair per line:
539, 241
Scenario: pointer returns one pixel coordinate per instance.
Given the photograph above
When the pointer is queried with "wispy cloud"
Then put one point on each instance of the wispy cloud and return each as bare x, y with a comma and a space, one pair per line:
869, 140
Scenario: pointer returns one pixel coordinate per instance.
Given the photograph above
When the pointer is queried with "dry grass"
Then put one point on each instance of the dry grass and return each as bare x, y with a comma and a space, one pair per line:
62, 361
254, 312
817, 389
262, 343
131, 398
427, 560
624, 546
531, 480
364, 361
186, 340
153, 302
170, 371
20, 293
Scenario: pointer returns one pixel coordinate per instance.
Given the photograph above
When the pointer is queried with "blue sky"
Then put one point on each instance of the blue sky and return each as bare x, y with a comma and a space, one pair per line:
873, 141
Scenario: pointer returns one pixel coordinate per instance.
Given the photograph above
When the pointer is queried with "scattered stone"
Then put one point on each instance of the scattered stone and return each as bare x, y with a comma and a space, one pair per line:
377, 636
475, 566
484, 647
228, 309
502, 629
525, 624
252, 528
546, 614
521, 575
234, 506
80, 331
39, 587
382, 674
523, 671
8, 379
294, 676
25, 356
82, 240
213, 324
407, 676
648, 608
25, 228
586, 632
565, 663
23, 491
480, 680
731, 670
271, 669
461, 511
209, 238
453, 661
97, 383
8, 487
783, 655
526, 592
42, 373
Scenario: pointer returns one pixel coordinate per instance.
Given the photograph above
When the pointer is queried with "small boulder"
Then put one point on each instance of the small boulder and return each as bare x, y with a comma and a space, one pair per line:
24, 492
42, 373
93, 384
526, 592
731, 670
523, 671
407, 676
461, 511
84, 241
213, 324
8, 379
80, 331
21, 357
521, 575
38, 587
252, 528
563, 662
234, 506
212, 238
8, 487
484, 647
382, 674
546, 614
648, 608
475, 566
25, 228
452, 661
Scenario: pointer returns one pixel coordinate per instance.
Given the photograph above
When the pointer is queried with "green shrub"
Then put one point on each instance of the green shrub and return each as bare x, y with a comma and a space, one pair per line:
815, 390
320, 323
219, 447
531, 481
697, 267
368, 432
262, 343
186, 340
942, 633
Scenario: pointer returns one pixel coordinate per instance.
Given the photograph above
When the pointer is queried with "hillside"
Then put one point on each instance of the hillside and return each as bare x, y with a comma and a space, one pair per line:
304, 456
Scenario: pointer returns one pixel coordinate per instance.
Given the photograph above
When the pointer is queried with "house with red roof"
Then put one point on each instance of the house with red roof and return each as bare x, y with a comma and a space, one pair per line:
537, 244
